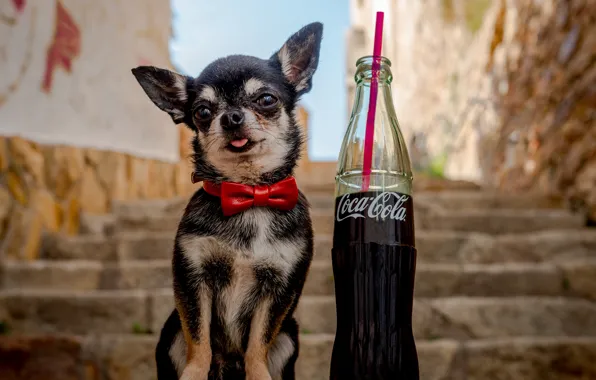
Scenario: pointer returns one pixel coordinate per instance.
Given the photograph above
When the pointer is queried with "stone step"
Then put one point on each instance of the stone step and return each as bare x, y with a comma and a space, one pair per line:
320, 215
542, 246
449, 199
146, 209
320, 279
515, 358
498, 221
123, 356
166, 223
473, 317
136, 215
527, 358
441, 247
428, 215
73, 275
449, 247
321, 201
483, 221
502, 221
78, 275
308, 187
47, 311
325, 199
141, 245
460, 200
60, 311
576, 278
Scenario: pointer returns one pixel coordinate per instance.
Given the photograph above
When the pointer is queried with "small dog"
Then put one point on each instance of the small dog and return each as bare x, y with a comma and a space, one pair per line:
245, 243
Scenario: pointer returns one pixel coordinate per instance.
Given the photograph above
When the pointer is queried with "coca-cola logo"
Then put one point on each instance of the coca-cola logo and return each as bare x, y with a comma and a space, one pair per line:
376, 207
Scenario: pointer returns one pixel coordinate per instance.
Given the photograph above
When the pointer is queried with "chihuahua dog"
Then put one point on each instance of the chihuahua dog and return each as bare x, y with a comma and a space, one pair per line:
245, 243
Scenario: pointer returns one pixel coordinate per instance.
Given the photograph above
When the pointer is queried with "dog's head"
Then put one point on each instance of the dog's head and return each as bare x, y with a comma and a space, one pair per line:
242, 109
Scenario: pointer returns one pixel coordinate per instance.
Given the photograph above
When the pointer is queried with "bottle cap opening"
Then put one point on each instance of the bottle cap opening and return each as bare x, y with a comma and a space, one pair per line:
368, 60
365, 71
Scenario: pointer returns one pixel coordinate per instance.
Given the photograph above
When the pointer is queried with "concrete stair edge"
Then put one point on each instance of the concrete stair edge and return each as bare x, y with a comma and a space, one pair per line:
513, 358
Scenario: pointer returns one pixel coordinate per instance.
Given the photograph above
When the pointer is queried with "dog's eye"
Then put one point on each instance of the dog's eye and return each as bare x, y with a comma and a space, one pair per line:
203, 113
266, 101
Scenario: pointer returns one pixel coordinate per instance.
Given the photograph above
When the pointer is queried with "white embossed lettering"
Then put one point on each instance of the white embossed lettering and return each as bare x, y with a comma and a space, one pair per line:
377, 207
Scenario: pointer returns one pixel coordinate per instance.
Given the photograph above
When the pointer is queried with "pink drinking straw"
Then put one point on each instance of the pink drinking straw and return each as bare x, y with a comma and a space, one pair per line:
372, 106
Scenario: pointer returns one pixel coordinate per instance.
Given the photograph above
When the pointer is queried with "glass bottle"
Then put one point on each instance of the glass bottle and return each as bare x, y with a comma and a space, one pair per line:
374, 254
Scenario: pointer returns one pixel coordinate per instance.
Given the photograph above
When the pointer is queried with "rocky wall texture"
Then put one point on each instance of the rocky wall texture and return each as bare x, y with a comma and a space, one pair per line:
46, 188
547, 131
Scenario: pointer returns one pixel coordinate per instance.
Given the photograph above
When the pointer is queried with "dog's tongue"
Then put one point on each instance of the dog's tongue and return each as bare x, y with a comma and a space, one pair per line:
239, 143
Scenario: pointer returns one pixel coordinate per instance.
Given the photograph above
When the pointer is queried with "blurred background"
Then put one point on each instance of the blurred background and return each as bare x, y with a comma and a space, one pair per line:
496, 99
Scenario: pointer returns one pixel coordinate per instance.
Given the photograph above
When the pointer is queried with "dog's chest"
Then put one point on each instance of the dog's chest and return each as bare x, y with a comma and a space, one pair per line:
258, 269
245, 261
264, 248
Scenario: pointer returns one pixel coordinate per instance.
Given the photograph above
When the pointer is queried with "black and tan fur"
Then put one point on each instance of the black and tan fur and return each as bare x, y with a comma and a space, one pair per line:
238, 279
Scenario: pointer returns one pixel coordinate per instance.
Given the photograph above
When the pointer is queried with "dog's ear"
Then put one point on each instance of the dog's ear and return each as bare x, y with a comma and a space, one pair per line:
299, 56
165, 88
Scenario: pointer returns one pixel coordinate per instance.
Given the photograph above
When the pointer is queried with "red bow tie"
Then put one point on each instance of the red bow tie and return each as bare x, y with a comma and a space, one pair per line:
236, 197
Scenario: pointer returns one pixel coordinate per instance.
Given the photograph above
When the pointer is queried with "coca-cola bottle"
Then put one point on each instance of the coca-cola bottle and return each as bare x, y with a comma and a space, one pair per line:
374, 256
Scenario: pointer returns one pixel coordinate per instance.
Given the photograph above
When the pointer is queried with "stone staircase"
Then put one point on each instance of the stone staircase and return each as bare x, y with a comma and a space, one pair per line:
505, 289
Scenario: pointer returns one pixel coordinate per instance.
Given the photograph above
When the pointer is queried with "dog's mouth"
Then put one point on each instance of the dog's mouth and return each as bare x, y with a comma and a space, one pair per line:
241, 144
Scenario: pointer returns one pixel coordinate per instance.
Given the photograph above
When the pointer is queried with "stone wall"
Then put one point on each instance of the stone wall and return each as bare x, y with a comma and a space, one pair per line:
547, 136
46, 188
65, 74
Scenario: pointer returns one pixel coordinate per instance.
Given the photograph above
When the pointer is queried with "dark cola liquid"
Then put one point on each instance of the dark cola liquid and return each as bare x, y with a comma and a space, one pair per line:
374, 262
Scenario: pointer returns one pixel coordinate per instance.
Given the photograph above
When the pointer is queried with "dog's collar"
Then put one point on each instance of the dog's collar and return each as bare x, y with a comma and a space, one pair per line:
237, 197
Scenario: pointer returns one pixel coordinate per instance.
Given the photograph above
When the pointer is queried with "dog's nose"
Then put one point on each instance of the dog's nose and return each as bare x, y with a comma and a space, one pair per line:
232, 119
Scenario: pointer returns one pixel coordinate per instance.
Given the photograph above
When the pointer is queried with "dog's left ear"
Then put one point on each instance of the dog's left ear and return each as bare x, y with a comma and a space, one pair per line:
166, 89
299, 57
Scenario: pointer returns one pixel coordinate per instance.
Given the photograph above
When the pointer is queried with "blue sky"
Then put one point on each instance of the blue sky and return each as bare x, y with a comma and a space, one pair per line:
205, 30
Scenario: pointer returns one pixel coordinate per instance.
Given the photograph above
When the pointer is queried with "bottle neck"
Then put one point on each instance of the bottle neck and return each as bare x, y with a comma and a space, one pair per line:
362, 98
387, 168
373, 71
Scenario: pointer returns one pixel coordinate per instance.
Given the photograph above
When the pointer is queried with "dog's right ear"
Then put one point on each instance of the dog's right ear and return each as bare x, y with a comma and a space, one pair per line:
299, 57
165, 88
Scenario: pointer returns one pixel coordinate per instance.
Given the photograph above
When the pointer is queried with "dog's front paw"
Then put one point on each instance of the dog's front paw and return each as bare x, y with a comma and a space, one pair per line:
257, 371
194, 372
